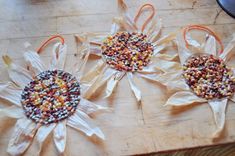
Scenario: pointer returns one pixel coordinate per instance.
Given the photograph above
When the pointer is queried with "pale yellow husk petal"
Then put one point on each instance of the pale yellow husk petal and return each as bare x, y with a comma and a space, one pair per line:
104, 76
165, 39
42, 134
96, 40
13, 112
174, 81
93, 73
22, 136
17, 74
154, 29
184, 98
134, 88
10, 92
150, 69
121, 24
210, 46
162, 43
82, 122
167, 57
183, 52
115, 26
218, 108
97, 37
84, 53
91, 108
84, 49
59, 56
232, 98
112, 83
227, 53
125, 21
158, 48
34, 61
193, 42
59, 136
166, 66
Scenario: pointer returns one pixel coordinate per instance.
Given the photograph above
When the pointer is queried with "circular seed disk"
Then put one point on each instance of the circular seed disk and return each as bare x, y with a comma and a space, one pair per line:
127, 51
51, 97
209, 77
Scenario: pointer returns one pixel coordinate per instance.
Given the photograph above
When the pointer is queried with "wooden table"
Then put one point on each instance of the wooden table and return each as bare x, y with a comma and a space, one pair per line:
130, 129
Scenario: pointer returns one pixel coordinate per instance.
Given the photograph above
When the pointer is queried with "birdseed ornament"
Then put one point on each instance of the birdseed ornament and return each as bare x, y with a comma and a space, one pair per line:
128, 49
45, 99
203, 74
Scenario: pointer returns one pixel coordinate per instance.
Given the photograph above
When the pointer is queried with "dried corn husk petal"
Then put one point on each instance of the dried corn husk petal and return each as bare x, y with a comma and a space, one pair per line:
133, 86
227, 53
10, 93
193, 42
184, 53
232, 98
125, 20
22, 136
172, 80
166, 66
210, 46
218, 108
167, 57
59, 56
13, 112
91, 108
154, 30
59, 136
112, 83
157, 49
82, 122
183, 98
84, 53
101, 80
96, 39
165, 39
150, 69
34, 61
42, 134
17, 74
93, 73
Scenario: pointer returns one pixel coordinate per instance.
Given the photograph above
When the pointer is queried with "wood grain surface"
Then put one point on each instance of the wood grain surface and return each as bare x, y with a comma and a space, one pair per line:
130, 129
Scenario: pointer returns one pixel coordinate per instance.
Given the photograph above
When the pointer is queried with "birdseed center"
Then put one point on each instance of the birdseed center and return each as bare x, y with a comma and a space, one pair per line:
209, 77
51, 97
127, 51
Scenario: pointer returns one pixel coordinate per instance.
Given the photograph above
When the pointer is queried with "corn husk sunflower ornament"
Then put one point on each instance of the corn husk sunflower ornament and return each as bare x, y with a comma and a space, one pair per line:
125, 50
203, 74
45, 99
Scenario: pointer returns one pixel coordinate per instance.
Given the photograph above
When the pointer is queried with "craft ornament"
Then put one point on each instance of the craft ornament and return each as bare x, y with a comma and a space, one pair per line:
203, 74
126, 50
45, 99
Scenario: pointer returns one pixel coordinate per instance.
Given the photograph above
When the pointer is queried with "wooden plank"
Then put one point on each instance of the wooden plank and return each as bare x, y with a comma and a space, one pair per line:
130, 129
84, 23
18, 10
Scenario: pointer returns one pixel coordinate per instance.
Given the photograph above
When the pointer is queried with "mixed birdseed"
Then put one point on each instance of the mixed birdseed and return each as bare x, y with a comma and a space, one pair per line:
51, 97
127, 51
209, 77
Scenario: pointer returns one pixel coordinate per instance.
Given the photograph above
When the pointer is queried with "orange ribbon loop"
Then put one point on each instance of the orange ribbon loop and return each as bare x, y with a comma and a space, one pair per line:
203, 28
149, 6
49, 40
